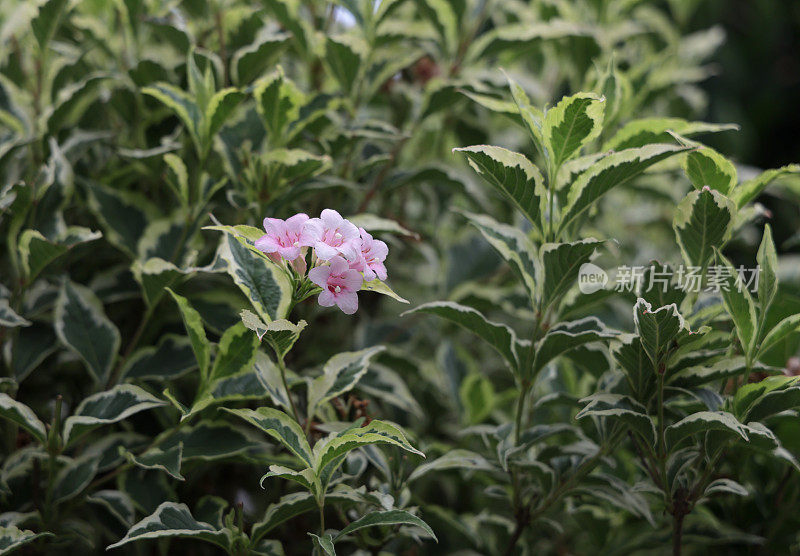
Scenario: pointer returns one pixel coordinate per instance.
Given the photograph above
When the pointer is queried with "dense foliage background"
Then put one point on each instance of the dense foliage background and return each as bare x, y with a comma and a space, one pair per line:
156, 364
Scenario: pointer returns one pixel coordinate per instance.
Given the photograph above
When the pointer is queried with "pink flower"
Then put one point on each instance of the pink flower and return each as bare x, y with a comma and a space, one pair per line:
339, 285
373, 253
282, 238
331, 235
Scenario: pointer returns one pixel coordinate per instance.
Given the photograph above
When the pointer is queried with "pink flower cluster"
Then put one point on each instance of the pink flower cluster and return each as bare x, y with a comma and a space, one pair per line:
344, 256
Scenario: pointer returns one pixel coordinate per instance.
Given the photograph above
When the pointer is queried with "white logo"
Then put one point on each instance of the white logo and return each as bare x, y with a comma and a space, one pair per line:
591, 278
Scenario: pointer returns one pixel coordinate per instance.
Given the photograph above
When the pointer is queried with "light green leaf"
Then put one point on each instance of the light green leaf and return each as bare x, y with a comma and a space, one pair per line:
304, 477
561, 263
512, 244
174, 520
107, 407
376, 224
280, 334
267, 287
571, 124
296, 164
155, 276
73, 478
236, 352
622, 408
168, 461
388, 517
9, 318
46, 22
749, 190
692, 377
81, 324
657, 329
511, 174
182, 104
250, 61
278, 101
12, 538
739, 303
787, 396
343, 55
646, 131
725, 486
36, 251
441, 14
324, 543
340, 374
702, 422
284, 509
706, 167
453, 459
612, 171
767, 259
703, 221
220, 107
499, 336
197, 334
477, 397
382, 288
785, 327
567, 335
22, 415
279, 426
177, 176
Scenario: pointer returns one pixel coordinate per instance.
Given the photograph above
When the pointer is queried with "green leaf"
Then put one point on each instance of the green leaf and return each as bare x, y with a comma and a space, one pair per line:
376, 224
562, 263
279, 426
443, 18
220, 107
177, 177
304, 477
267, 287
236, 352
123, 215
499, 336
692, 377
155, 276
702, 422
73, 478
388, 517
107, 407
749, 190
767, 259
197, 334
611, 171
638, 133
571, 124
284, 509
774, 401
725, 486
657, 329
182, 104
340, 374
453, 459
296, 164
250, 61
81, 324
9, 318
631, 356
511, 174
280, 334
343, 56
22, 415
12, 538
477, 397
117, 503
739, 303
568, 335
703, 220
210, 441
174, 520
706, 167
382, 288
46, 22
622, 408
278, 101
168, 461
36, 251
785, 327
324, 543
270, 377
512, 244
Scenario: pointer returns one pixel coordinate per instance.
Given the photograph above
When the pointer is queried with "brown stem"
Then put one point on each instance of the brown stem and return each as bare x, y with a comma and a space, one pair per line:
677, 532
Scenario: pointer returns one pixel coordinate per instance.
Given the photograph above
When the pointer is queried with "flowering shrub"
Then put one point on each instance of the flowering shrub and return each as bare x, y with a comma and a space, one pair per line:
169, 385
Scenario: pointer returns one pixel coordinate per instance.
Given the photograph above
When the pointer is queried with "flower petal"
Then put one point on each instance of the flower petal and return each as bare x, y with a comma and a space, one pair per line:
320, 275
327, 298
347, 302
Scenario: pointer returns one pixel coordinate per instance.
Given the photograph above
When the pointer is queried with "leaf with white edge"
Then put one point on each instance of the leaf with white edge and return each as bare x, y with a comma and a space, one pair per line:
210, 441
343, 55
46, 22
512, 244
775, 401
511, 174
197, 334
278, 101
250, 61
388, 517
73, 478
108, 407
567, 335
454, 459
785, 327
236, 352
750, 189
155, 276
286, 508
297, 164
281, 427
174, 520
123, 215
280, 334
767, 259
639, 133
324, 543
703, 221
706, 167
692, 377
267, 287
571, 124
612, 171
622, 408
382, 288
269, 375
220, 107
82, 325
499, 336
340, 374
177, 176
36, 251
738, 302
182, 104
172, 357
9, 318
561, 263
117, 503
168, 461
702, 422
376, 224
442, 16
725, 486
477, 397
23, 416
657, 329
304, 477
12, 538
